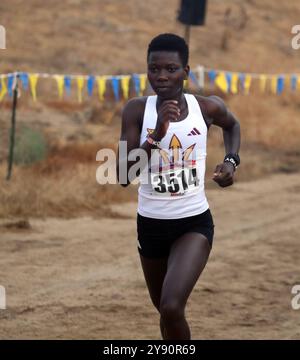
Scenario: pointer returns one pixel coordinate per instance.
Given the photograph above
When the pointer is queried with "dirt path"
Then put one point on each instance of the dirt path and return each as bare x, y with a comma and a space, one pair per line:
81, 278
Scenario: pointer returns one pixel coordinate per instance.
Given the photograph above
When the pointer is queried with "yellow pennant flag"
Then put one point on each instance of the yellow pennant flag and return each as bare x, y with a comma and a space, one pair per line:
125, 86
143, 82
234, 83
60, 85
262, 82
247, 83
221, 82
80, 83
3, 88
298, 82
101, 81
33, 78
274, 84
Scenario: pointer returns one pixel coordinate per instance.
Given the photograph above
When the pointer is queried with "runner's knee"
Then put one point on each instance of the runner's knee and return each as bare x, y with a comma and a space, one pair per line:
171, 310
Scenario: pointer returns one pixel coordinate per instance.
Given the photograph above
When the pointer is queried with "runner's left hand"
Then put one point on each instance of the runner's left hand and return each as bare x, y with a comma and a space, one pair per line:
223, 174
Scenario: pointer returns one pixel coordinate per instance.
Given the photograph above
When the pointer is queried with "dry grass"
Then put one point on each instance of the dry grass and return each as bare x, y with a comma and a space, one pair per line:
271, 121
109, 37
63, 185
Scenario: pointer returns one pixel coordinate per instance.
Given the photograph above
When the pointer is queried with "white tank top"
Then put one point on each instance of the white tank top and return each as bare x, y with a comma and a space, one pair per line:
172, 186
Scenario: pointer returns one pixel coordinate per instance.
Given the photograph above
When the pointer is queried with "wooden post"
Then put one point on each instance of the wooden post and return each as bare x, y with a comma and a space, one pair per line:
10, 158
187, 34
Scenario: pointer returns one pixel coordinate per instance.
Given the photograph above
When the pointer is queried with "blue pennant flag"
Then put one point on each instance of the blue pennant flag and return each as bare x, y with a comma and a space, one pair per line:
212, 76
115, 85
137, 85
194, 79
90, 84
294, 82
228, 78
242, 79
24, 79
67, 83
280, 84
10, 82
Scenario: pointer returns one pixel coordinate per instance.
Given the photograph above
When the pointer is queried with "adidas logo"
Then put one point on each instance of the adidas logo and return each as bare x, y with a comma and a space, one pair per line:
194, 132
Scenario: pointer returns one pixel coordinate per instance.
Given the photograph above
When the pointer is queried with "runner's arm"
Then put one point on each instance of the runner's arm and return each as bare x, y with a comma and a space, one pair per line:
130, 133
219, 115
230, 125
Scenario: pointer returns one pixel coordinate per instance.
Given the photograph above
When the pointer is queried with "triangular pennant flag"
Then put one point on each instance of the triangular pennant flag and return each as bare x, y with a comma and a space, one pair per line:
80, 83
60, 84
298, 82
228, 79
24, 79
33, 78
10, 84
143, 83
274, 84
234, 83
90, 84
242, 80
201, 76
194, 79
3, 88
247, 83
67, 84
212, 76
293, 81
221, 82
101, 81
125, 86
115, 86
262, 82
136, 81
280, 84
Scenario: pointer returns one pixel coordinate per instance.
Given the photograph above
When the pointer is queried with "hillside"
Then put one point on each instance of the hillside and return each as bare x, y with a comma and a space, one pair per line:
111, 37
104, 36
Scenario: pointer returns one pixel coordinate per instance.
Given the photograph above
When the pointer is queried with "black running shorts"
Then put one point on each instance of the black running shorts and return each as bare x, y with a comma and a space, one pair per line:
156, 236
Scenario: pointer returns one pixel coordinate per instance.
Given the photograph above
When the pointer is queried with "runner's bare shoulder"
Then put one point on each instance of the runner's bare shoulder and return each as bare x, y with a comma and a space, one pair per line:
134, 110
210, 106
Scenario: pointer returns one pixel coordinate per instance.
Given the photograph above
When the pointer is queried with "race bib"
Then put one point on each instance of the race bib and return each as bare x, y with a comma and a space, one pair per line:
176, 182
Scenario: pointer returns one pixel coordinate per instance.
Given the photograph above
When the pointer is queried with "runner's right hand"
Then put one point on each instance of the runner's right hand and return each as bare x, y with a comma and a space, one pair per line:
168, 111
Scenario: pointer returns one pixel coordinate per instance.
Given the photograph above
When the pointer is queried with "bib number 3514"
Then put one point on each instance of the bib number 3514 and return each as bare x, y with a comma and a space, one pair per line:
175, 182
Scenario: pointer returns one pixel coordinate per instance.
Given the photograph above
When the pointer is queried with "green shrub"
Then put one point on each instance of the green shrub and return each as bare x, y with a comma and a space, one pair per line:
30, 146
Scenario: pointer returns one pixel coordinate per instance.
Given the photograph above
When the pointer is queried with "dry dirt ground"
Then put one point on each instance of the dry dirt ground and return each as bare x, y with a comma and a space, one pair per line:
81, 278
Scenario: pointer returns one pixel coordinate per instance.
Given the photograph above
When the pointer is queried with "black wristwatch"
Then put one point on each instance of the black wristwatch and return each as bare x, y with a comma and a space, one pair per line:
234, 159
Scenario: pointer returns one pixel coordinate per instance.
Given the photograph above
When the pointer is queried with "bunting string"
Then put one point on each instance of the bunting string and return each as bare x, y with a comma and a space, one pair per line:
122, 85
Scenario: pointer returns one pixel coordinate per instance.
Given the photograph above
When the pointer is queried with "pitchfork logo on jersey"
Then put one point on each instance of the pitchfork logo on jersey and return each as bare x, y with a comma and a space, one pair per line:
172, 158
